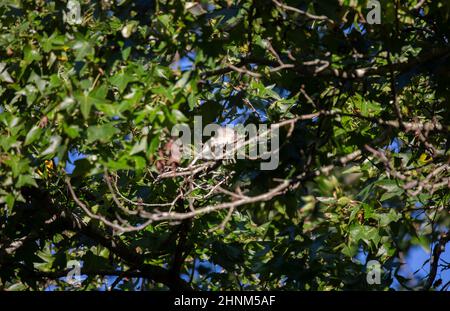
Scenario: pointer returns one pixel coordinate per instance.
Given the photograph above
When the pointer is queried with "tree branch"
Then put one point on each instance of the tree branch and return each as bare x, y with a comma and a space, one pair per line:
322, 68
434, 261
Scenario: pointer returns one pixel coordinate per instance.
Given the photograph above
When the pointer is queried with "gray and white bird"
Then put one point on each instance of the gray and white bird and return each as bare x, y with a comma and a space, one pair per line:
222, 146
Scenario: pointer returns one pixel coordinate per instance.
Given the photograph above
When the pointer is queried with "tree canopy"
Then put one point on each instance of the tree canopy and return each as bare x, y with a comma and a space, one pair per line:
89, 94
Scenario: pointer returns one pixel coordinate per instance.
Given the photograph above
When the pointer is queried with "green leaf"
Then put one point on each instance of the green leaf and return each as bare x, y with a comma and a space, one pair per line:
154, 144
9, 199
86, 100
31, 54
55, 142
82, 49
387, 218
350, 250
139, 146
364, 233
4, 75
82, 168
102, 133
121, 81
32, 135
73, 131
126, 53
25, 180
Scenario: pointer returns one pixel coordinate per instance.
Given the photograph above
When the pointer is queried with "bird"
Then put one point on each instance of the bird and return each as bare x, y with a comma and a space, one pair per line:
219, 147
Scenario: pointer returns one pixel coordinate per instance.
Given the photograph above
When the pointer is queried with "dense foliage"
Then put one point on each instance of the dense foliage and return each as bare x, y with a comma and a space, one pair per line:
87, 104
